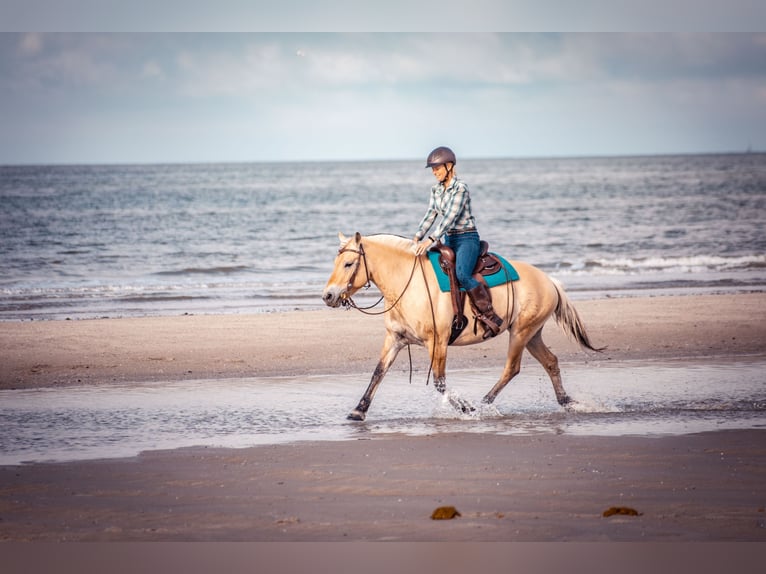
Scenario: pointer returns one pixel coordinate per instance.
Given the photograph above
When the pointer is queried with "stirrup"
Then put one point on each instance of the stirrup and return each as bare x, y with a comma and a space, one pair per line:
459, 323
491, 327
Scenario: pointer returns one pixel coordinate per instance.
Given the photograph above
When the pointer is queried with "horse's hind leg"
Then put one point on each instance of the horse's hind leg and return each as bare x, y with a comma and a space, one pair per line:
550, 363
392, 344
512, 367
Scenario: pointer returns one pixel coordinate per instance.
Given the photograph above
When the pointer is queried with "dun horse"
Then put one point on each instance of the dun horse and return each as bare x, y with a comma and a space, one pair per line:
417, 312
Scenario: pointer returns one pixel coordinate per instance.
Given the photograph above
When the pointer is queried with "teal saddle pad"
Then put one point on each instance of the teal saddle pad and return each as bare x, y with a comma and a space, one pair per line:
503, 275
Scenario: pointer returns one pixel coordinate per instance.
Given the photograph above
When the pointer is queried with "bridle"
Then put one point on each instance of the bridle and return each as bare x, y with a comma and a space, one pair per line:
346, 299
362, 258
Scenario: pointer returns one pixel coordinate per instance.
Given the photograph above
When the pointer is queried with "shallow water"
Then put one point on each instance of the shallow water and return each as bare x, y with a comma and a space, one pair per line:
612, 399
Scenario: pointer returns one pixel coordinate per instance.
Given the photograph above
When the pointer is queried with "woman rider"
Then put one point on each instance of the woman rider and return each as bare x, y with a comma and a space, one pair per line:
450, 199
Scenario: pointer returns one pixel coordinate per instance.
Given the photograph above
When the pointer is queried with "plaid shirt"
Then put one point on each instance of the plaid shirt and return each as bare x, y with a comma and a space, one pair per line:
453, 204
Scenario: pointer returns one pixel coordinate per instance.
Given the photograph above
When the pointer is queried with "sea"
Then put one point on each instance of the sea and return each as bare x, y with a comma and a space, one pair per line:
94, 241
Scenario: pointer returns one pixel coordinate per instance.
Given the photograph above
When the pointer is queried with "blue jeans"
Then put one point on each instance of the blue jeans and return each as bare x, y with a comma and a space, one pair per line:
466, 248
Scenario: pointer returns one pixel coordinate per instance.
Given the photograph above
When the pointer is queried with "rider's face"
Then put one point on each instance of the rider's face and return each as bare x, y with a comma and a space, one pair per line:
440, 172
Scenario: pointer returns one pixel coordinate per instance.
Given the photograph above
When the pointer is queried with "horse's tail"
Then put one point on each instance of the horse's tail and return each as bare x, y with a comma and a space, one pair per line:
569, 320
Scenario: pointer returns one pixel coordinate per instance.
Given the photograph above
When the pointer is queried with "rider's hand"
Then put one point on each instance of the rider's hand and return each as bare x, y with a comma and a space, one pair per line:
423, 246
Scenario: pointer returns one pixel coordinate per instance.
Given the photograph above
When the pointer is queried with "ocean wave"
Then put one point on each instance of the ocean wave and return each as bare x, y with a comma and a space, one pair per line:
233, 237
153, 288
217, 270
684, 264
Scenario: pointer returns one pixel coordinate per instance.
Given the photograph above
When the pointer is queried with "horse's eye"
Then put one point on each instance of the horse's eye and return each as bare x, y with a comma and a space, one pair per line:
348, 264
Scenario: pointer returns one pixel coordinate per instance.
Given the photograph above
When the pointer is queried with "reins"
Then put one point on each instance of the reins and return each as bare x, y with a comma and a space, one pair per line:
348, 301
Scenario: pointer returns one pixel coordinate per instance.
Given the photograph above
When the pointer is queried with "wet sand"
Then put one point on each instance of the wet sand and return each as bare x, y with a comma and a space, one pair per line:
703, 487
100, 351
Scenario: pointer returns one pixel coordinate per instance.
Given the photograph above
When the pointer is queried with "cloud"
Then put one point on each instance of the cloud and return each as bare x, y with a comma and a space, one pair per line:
216, 64
314, 96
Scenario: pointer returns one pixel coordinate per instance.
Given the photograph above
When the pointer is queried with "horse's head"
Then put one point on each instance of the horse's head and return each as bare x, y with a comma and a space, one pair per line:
349, 274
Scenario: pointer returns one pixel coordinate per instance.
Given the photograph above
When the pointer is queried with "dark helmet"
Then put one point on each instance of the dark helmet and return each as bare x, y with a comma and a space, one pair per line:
441, 155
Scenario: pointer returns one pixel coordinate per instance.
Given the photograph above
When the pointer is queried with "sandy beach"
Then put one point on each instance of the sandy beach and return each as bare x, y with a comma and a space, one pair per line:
100, 351
703, 487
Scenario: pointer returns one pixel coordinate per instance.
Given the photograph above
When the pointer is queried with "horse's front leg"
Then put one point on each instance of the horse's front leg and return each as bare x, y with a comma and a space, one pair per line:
392, 344
439, 366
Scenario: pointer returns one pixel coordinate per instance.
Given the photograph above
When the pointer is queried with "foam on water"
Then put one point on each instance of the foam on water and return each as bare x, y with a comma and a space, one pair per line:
121, 420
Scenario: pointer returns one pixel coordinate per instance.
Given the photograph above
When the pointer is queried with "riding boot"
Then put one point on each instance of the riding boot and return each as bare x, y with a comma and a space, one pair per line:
482, 301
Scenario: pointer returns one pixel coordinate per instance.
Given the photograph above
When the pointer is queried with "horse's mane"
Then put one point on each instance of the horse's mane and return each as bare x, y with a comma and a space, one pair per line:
396, 241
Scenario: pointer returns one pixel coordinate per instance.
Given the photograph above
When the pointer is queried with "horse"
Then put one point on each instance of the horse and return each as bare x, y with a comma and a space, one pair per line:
417, 312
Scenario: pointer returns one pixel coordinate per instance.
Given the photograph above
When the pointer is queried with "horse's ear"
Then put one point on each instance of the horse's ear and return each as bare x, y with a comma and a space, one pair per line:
358, 237
343, 239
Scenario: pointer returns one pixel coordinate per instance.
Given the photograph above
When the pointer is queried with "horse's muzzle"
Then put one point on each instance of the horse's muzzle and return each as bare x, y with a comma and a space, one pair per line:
333, 297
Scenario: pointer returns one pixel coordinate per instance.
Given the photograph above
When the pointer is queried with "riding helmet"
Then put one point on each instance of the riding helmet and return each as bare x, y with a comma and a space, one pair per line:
439, 156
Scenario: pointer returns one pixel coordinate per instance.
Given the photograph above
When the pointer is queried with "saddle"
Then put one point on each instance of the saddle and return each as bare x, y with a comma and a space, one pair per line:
486, 264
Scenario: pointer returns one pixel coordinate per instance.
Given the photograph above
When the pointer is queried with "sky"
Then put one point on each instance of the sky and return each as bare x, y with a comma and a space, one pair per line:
155, 97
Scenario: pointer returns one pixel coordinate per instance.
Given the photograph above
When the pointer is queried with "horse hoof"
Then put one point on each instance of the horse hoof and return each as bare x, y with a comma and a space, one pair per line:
569, 405
466, 407
462, 405
356, 416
